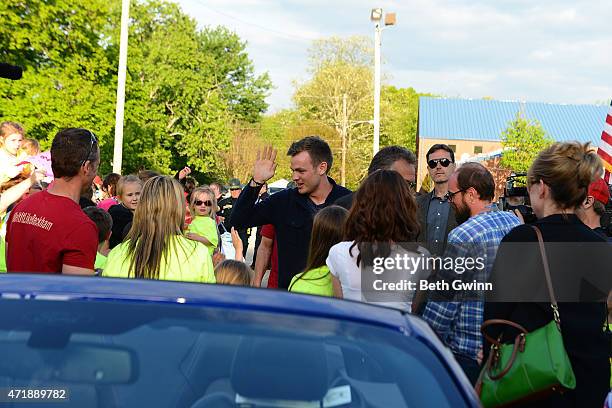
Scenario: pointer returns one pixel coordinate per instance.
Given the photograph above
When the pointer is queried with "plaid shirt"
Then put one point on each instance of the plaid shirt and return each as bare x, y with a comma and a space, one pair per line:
458, 322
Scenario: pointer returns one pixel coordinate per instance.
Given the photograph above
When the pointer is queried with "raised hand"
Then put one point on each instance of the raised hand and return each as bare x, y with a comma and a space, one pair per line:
237, 242
265, 165
184, 173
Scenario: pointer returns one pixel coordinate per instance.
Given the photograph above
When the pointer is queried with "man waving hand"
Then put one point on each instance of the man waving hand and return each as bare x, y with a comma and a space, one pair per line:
291, 211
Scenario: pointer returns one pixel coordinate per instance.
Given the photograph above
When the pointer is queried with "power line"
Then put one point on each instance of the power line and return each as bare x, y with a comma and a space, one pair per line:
278, 33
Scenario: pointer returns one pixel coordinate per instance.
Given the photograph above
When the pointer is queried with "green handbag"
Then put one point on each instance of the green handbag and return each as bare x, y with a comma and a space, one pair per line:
535, 365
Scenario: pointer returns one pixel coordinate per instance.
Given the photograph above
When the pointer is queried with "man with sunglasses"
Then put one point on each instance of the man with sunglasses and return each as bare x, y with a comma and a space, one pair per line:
48, 232
436, 215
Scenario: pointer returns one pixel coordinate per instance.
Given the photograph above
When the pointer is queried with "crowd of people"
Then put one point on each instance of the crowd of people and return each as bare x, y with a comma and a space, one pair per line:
318, 237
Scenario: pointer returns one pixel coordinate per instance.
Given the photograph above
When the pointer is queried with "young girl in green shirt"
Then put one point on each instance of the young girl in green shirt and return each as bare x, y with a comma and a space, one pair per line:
327, 231
203, 227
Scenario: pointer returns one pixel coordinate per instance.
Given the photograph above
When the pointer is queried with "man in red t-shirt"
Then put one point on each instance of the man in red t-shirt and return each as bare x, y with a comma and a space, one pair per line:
48, 232
267, 253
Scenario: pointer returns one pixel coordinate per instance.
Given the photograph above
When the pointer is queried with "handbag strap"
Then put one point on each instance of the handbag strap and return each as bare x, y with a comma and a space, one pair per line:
551, 291
492, 322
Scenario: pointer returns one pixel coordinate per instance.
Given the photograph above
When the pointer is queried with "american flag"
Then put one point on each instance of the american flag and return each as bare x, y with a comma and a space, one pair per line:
605, 147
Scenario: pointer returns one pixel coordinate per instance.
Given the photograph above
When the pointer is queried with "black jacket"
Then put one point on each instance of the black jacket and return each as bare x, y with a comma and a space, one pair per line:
121, 216
423, 202
586, 344
291, 215
345, 201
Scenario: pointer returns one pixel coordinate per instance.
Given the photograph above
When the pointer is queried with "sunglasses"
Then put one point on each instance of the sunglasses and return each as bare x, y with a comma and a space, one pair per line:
433, 163
449, 196
93, 140
198, 203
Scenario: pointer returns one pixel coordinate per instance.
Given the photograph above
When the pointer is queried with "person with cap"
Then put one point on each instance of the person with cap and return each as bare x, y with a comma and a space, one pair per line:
226, 206
594, 206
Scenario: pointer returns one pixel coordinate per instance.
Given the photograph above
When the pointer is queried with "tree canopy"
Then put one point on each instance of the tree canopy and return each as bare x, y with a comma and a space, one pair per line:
185, 87
523, 139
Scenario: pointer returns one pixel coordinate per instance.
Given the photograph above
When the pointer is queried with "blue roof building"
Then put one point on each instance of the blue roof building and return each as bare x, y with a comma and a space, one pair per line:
474, 126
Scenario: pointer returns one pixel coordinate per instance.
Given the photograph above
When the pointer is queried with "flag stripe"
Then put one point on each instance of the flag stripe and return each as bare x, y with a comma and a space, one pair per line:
609, 119
608, 129
606, 157
606, 138
607, 150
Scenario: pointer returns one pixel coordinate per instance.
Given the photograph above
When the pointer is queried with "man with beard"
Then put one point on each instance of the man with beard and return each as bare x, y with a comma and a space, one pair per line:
435, 212
291, 211
48, 232
457, 321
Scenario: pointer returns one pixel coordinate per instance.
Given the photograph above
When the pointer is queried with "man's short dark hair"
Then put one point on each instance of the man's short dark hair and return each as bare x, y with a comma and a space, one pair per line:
599, 208
70, 149
477, 176
317, 148
102, 219
384, 159
441, 146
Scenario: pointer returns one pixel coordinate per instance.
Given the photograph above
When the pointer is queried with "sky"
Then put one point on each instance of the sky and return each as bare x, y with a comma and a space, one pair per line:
557, 51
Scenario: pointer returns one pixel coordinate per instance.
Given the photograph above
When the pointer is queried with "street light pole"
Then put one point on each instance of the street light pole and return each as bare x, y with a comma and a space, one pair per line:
377, 40
123, 48
376, 16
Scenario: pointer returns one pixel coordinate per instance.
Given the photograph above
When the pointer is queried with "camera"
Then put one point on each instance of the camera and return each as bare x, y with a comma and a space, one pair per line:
516, 197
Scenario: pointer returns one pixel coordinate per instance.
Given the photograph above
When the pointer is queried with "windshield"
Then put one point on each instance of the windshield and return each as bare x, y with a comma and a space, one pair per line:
124, 354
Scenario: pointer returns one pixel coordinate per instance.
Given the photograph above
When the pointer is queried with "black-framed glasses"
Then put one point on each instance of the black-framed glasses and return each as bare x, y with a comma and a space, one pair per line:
198, 203
433, 163
449, 196
93, 140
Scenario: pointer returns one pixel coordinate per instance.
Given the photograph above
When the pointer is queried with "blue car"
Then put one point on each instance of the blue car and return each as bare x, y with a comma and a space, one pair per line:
101, 342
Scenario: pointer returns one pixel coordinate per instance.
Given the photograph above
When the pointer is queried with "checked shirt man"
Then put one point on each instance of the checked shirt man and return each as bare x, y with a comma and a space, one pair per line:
480, 231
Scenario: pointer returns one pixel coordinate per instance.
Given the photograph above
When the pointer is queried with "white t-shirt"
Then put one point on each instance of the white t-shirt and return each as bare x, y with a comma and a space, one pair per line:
343, 266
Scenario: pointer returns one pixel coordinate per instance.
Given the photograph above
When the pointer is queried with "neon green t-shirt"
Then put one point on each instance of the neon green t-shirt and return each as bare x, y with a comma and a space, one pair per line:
205, 227
100, 261
316, 281
2, 255
187, 261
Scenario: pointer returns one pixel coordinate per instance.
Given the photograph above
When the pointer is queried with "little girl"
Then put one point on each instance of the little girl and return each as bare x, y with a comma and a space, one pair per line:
11, 137
203, 228
232, 272
326, 232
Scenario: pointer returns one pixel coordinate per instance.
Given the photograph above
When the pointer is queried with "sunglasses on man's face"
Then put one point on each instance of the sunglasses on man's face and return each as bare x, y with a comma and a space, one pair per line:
198, 203
433, 163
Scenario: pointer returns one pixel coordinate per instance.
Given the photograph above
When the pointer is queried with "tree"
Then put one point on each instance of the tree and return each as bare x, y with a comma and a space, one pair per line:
399, 118
184, 90
523, 139
339, 95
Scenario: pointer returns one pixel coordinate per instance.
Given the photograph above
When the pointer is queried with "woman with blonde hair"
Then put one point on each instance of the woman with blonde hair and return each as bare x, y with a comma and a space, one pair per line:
557, 183
155, 247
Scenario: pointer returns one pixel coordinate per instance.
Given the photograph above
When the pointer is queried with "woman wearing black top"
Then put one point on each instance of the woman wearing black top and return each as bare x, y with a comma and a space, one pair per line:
558, 181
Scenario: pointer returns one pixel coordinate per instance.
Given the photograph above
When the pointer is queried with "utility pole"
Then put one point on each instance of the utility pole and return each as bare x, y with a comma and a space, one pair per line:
123, 48
344, 135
